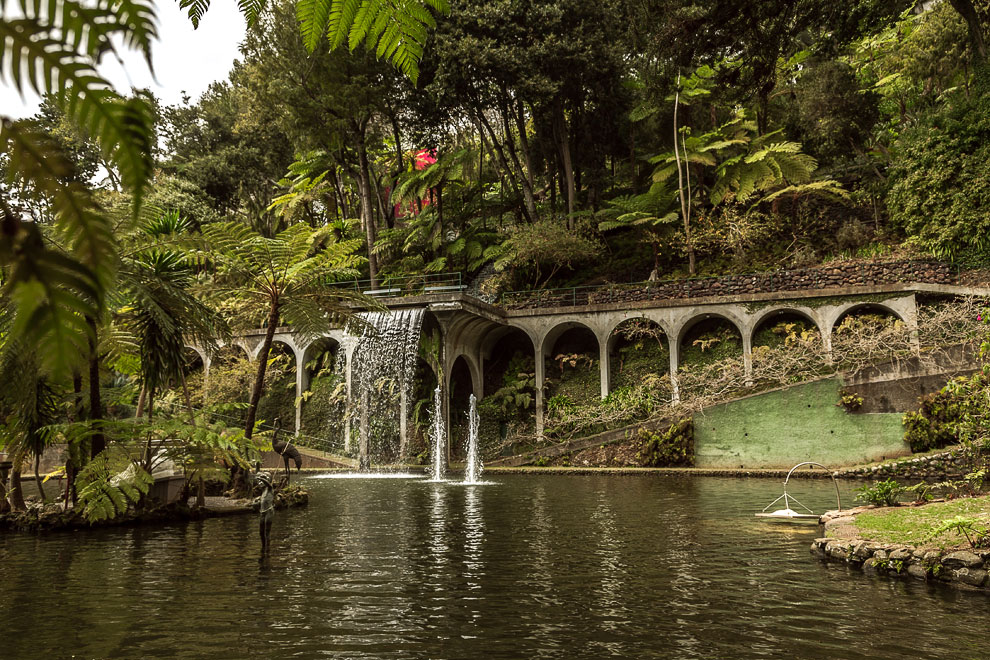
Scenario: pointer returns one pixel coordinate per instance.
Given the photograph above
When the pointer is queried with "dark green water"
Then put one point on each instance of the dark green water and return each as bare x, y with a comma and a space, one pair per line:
529, 567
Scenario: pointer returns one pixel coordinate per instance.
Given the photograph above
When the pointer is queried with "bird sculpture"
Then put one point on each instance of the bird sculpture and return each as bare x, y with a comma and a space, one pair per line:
286, 450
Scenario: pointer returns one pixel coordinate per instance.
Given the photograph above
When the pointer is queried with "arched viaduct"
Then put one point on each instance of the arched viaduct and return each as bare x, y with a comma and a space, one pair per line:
471, 328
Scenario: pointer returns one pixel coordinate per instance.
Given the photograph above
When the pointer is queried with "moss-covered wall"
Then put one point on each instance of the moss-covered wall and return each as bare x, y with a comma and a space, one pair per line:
801, 423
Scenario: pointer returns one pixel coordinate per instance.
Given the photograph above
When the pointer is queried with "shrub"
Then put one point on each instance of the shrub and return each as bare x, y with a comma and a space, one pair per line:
673, 446
953, 414
850, 401
881, 493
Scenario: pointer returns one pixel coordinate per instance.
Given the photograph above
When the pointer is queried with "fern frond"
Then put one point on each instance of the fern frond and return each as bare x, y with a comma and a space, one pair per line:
251, 10
196, 9
49, 64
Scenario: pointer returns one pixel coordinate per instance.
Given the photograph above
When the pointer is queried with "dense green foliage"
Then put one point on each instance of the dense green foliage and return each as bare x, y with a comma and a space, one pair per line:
526, 143
955, 414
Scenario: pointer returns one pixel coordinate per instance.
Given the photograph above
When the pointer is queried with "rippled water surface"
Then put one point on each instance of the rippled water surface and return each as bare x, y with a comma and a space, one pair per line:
523, 567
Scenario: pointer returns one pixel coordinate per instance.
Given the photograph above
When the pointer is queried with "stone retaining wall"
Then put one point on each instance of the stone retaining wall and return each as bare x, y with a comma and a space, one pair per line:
943, 466
855, 274
966, 568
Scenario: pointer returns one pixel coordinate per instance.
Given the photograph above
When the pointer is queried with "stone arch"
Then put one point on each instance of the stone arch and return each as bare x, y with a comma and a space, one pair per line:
473, 381
841, 311
204, 356
319, 414
498, 348
196, 366
460, 386
780, 354
848, 350
684, 351
554, 334
781, 313
623, 335
578, 379
691, 322
279, 397
249, 351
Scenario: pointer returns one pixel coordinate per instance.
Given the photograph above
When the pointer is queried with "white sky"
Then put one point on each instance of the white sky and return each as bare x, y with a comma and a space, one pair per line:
184, 59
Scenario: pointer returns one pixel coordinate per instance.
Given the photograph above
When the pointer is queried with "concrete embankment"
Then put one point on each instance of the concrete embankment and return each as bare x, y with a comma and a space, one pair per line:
959, 566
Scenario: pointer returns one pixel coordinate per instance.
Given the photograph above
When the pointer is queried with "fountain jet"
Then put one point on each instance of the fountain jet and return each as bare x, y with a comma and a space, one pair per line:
472, 471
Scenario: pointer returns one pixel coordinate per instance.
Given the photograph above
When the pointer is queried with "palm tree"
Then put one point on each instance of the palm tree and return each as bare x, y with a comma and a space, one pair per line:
288, 277
156, 307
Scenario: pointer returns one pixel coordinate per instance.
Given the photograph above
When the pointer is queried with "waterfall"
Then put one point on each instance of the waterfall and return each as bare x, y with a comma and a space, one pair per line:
472, 471
438, 433
382, 373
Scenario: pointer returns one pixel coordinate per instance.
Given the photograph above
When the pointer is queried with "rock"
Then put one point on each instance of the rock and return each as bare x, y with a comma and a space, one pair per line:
917, 571
900, 554
962, 559
862, 551
870, 567
880, 555
974, 577
837, 551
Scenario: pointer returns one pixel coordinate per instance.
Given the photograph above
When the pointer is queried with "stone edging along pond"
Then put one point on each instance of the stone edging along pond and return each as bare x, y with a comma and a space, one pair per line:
966, 568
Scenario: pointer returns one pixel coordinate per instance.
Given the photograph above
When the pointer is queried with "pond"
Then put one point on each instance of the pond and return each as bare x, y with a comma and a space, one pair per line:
527, 566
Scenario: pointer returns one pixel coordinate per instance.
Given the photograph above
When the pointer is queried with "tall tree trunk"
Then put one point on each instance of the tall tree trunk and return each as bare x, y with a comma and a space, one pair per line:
70, 465
524, 175
99, 442
16, 497
564, 146
505, 170
238, 477
367, 209
37, 476
259, 378
142, 399
341, 198
685, 199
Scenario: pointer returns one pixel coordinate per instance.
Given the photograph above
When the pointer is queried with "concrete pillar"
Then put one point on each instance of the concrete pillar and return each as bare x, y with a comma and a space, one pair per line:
348, 362
207, 361
675, 348
911, 320
540, 377
826, 344
604, 367
747, 346
302, 385
445, 402
477, 380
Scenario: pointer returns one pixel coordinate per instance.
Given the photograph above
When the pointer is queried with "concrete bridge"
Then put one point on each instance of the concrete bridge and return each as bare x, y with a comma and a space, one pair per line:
472, 330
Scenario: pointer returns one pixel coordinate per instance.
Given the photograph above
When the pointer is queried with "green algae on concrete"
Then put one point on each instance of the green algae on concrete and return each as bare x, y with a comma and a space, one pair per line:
781, 428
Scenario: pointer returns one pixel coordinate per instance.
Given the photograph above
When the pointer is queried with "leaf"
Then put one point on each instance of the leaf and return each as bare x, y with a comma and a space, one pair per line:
196, 10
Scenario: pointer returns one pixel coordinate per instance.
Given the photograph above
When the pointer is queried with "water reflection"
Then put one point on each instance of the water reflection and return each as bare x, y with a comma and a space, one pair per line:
537, 567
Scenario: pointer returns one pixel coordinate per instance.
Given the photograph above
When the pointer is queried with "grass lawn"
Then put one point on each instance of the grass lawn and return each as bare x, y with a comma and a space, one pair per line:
914, 525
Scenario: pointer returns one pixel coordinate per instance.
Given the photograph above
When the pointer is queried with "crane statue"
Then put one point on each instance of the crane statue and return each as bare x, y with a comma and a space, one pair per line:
286, 450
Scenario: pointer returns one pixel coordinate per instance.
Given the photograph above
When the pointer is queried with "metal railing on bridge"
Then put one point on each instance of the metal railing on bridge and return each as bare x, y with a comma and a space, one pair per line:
398, 286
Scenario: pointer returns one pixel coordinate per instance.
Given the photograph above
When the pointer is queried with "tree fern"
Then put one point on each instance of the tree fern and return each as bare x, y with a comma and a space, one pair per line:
395, 29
